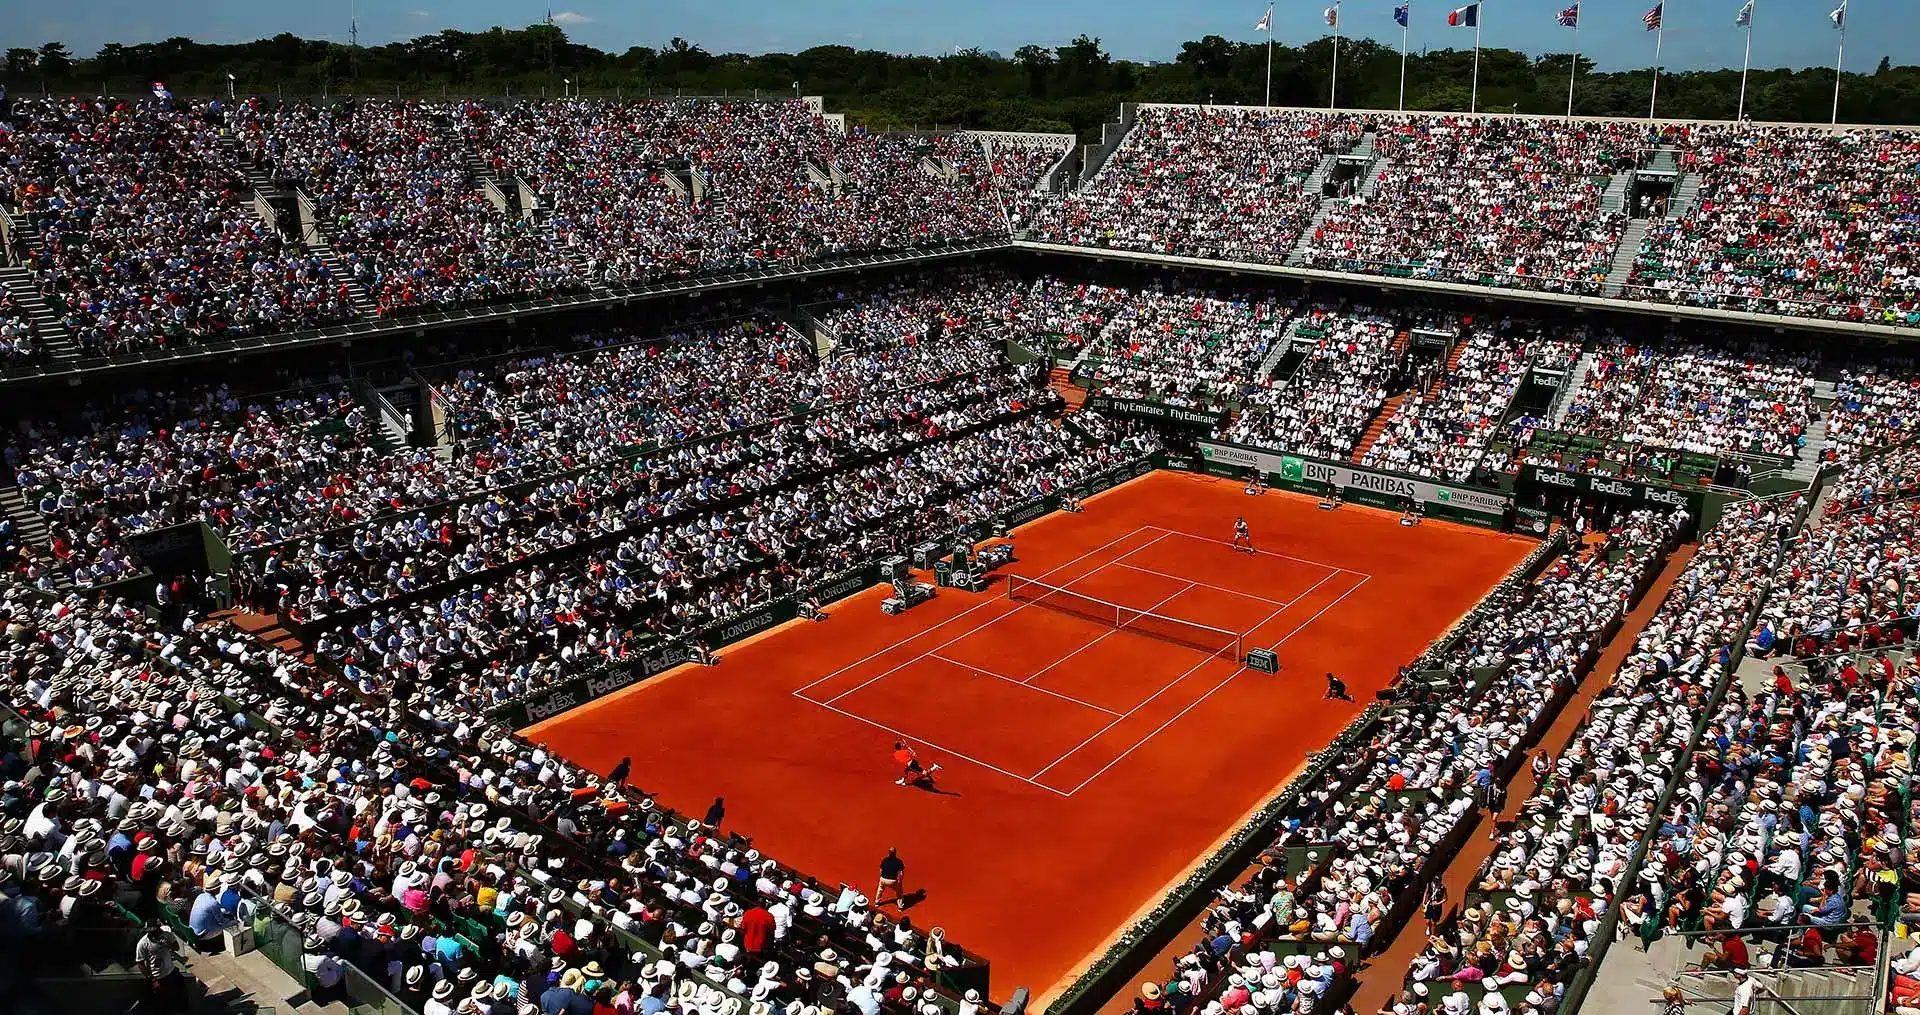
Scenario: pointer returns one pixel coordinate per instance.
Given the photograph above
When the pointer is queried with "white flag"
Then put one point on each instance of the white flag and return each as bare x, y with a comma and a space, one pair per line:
1744, 19
1266, 22
1839, 15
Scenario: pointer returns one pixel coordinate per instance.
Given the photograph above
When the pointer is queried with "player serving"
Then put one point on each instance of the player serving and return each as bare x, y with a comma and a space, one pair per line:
1242, 537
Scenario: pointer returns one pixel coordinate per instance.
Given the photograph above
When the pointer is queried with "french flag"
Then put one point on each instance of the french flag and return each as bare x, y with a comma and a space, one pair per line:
1465, 17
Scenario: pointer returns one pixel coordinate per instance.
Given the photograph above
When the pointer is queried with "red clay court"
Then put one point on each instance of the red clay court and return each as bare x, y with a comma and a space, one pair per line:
1087, 766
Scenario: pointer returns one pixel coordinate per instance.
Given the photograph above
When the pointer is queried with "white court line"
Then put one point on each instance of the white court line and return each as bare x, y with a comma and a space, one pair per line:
1187, 674
944, 750
1257, 553
1107, 634
962, 636
1176, 680
981, 606
1224, 682
1001, 676
1204, 585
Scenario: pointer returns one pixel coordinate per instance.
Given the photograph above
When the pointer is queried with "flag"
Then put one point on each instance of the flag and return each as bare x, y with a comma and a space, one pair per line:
1465, 17
1570, 18
1266, 22
1652, 18
160, 91
1332, 14
1400, 15
1839, 15
1744, 19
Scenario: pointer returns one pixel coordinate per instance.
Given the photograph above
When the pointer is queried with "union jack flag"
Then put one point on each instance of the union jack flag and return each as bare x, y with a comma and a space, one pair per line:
1570, 18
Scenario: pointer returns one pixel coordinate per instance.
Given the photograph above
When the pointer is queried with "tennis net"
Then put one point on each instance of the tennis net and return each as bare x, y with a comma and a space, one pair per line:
1214, 640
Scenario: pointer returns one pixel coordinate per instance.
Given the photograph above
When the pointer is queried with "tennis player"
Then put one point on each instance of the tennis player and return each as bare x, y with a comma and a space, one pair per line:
911, 774
1242, 537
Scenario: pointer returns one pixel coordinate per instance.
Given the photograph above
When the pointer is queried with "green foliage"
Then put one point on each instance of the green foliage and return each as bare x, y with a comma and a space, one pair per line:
1074, 87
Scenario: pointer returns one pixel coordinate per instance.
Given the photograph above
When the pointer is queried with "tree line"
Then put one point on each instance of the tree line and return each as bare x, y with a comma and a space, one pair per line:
1070, 88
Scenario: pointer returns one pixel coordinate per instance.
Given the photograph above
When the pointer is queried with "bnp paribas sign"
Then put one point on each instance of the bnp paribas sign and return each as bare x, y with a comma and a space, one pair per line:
1296, 469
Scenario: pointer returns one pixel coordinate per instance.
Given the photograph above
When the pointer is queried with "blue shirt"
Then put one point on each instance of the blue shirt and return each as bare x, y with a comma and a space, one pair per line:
207, 918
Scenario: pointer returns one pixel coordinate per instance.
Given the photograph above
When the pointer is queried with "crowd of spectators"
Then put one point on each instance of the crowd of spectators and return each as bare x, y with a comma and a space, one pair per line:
1697, 397
653, 188
1446, 422
405, 844
1802, 221
149, 237
258, 468
1492, 201
1324, 407
1559, 868
1874, 406
1216, 182
392, 190
17, 343
1185, 347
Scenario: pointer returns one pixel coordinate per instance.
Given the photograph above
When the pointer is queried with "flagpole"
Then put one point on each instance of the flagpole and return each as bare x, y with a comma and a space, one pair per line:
1333, 86
1473, 106
1269, 67
1745, 62
1838, 59
1575, 69
1403, 58
1659, 36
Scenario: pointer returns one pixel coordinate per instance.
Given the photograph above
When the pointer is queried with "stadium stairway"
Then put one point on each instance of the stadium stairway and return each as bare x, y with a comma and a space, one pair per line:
1623, 257
1317, 179
1806, 464
356, 293
1377, 427
1381, 977
1576, 377
1614, 198
232, 984
1686, 195
1060, 379
1297, 257
28, 523
54, 335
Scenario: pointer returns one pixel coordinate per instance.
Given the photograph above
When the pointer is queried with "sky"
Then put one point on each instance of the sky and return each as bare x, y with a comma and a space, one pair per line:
1700, 33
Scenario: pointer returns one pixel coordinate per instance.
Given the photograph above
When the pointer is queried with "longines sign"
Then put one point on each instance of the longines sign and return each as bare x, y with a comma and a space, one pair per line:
1345, 477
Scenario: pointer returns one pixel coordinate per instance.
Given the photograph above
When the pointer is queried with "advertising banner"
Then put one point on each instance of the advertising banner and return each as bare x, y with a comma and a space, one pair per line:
1364, 485
1208, 419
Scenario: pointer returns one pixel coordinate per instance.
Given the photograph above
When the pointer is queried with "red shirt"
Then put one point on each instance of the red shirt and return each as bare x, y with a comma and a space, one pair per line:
756, 930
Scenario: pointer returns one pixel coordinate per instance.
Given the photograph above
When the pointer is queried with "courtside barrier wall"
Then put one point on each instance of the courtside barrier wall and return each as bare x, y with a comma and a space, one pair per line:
1473, 505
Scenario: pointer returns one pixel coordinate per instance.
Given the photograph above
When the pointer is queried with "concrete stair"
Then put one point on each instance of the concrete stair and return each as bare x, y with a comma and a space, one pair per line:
1377, 427
256, 175
356, 293
1576, 377
1298, 256
1686, 195
1665, 160
1806, 464
1614, 198
61, 348
28, 523
235, 984
1060, 379
1318, 178
1623, 257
